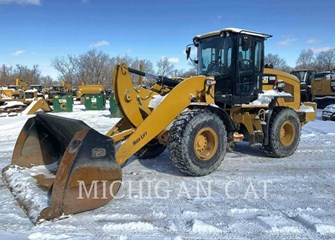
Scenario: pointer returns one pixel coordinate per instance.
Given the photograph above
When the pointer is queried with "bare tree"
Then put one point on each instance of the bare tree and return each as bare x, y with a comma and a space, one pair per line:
30, 76
145, 66
94, 67
6, 75
165, 68
189, 73
325, 60
276, 61
46, 81
305, 59
67, 67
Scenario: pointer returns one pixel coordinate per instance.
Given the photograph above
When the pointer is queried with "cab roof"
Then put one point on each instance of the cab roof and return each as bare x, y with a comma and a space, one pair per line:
234, 30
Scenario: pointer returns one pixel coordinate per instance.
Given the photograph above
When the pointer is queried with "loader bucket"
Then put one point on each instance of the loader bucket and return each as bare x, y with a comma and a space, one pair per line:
71, 163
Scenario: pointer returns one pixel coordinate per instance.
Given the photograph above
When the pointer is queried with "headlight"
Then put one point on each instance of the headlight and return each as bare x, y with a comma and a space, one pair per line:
210, 82
280, 85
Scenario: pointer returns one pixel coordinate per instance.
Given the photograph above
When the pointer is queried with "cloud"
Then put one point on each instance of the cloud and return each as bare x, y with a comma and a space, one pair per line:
18, 52
173, 60
21, 2
170, 59
100, 43
287, 42
312, 40
322, 49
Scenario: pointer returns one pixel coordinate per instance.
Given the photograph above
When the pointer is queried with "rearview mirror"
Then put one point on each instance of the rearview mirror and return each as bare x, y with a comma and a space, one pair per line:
188, 52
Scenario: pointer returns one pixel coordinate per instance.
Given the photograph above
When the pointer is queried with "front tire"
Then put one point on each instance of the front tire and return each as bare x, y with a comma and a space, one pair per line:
198, 142
284, 133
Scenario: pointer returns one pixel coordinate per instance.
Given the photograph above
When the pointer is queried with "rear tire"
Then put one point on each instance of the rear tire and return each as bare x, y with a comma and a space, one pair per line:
151, 150
198, 142
284, 133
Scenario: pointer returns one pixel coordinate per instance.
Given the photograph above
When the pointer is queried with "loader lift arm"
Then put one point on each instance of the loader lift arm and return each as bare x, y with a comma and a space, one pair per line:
141, 130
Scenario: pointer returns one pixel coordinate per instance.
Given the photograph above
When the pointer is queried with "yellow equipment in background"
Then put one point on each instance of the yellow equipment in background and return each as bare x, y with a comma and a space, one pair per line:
30, 95
323, 88
23, 85
12, 92
233, 98
60, 89
305, 77
89, 89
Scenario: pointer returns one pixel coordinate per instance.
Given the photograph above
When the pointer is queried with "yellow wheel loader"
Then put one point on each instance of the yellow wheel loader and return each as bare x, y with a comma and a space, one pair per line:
306, 77
323, 88
233, 98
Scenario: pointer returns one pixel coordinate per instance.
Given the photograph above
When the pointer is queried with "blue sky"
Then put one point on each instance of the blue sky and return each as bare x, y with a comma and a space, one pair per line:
37, 31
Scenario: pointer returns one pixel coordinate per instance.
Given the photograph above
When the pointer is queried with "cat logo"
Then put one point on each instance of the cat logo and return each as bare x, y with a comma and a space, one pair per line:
98, 152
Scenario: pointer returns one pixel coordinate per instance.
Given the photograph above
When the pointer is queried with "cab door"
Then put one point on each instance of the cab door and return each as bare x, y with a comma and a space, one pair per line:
250, 66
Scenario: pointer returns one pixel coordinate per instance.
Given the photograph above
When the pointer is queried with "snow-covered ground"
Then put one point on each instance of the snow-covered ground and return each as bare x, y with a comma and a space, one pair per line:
249, 196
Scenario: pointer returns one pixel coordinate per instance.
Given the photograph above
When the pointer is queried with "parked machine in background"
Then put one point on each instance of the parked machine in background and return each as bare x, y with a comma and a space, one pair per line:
90, 89
93, 96
323, 88
61, 89
30, 95
305, 77
38, 88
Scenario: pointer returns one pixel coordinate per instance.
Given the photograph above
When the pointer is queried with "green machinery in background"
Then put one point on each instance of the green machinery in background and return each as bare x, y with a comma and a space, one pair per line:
62, 103
95, 101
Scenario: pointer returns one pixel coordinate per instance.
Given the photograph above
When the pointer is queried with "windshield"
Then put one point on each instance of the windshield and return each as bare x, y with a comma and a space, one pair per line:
214, 55
57, 88
37, 87
301, 75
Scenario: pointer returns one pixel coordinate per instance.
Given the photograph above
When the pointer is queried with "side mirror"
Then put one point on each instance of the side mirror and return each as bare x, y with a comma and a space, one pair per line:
188, 52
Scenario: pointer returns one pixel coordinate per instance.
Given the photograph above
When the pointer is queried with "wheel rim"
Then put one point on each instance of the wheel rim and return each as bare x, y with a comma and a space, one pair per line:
205, 144
287, 133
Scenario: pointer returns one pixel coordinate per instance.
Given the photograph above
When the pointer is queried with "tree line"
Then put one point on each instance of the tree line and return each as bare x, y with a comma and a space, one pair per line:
321, 61
96, 67
9, 74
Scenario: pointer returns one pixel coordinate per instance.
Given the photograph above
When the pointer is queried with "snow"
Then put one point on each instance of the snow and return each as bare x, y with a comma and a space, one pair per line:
31, 90
26, 190
155, 101
10, 104
266, 97
306, 109
248, 196
201, 227
39, 235
129, 227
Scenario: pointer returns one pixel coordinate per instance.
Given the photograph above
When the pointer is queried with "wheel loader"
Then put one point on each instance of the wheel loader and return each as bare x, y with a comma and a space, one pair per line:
306, 77
199, 118
323, 88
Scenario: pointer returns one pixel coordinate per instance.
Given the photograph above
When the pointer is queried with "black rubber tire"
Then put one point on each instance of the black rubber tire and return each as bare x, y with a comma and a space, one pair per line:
181, 142
151, 150
275, 148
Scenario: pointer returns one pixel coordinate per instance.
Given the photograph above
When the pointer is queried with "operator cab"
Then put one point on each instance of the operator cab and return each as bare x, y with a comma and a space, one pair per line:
235, 58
